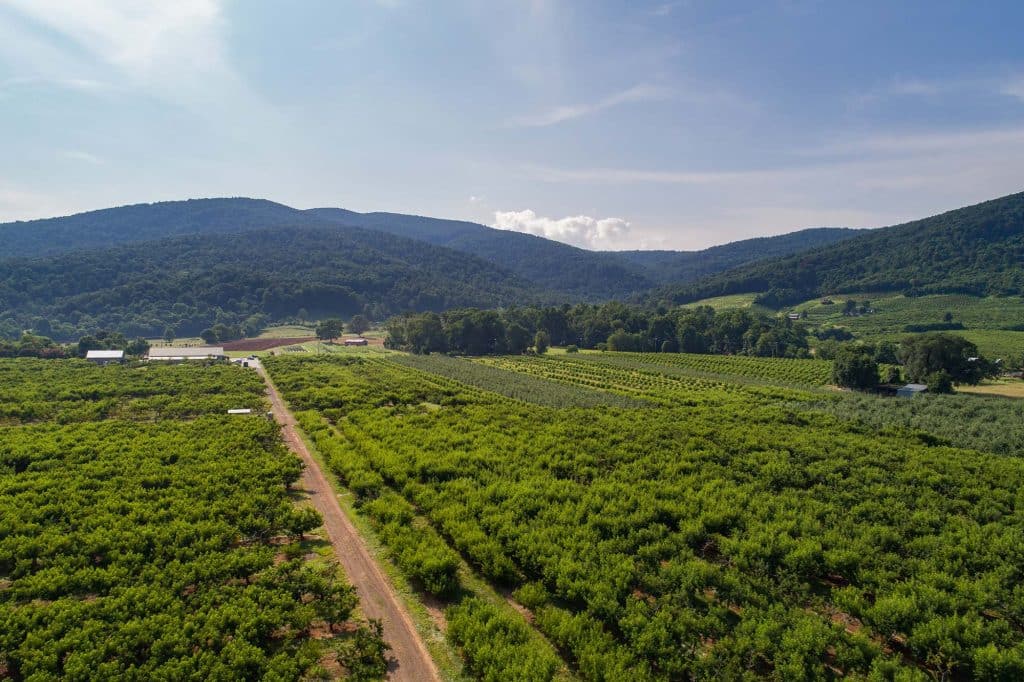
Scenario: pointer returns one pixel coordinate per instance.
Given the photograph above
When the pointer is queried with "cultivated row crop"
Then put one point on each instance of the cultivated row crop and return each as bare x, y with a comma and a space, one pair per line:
722, 537
158, 548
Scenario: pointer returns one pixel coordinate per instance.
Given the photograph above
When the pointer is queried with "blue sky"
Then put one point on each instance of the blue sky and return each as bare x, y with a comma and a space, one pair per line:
608, 125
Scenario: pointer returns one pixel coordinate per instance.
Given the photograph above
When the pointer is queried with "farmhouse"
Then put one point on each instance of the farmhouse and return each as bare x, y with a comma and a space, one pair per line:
911, 390
104, 357
183, 354
356, 342
793, 316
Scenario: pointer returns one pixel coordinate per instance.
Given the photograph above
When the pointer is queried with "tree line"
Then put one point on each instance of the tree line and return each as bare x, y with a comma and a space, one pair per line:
937, 360
611, 326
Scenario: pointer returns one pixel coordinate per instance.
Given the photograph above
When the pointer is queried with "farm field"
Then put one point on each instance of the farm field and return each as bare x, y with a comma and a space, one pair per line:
991, 343
266, 343
894, 312
722, 527
145, 534
1006, 388
727, 302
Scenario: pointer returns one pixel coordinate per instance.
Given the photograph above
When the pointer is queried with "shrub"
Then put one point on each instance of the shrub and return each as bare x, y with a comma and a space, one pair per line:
853, 367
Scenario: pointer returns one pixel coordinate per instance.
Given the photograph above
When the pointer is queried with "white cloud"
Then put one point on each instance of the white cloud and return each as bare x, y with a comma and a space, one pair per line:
665, 9
79, 155
620, 176
582, 231
175, 50
560, 114
1014, 88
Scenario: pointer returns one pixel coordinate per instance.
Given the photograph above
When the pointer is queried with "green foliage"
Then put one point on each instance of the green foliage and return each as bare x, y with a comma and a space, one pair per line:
939, 382
719, 535
73, 391
515, 385
975, 250
517, 338
497, 646
541, 342
329, 329
613, 326
194, 283
854, 367
358, 324
928, 356
141, 546
33, 346
363, 655
996, 425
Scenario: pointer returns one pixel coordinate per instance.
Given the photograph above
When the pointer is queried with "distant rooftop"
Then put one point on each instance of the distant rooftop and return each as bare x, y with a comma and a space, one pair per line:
104, 354
186, 352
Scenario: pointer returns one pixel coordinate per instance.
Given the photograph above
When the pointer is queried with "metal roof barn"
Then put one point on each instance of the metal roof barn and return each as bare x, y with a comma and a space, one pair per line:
180, 354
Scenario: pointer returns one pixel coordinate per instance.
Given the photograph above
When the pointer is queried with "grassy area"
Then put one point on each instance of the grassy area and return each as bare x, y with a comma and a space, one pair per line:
727, 302
893, 312
1006, 388
992, 343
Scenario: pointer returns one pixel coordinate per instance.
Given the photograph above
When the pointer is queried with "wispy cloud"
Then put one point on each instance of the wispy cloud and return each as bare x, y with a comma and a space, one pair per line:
990, 85
560, 114
866, 181
79, 155
665, 8
1014, 88
619, 176
921, 142
581, 230
82, 84
175, 50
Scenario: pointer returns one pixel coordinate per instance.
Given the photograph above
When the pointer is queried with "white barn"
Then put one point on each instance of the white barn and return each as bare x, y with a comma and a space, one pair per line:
104, 357
186, 353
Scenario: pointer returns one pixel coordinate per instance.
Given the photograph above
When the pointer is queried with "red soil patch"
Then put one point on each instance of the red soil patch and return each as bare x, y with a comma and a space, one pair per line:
267, 344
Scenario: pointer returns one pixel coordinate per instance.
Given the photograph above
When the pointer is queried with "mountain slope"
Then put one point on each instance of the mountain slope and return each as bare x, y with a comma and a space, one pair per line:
687, 266
191, 282
973, 250
577, 274
143, 222
582, 274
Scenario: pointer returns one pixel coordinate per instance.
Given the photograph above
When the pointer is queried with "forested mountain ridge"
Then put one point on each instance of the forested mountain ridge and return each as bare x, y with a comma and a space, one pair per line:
578, 274
246, 279
976, 250
142, 222
667, 267
582, 274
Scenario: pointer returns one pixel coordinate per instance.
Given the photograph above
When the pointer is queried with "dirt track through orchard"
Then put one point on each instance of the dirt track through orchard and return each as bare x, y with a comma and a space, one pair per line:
409, 659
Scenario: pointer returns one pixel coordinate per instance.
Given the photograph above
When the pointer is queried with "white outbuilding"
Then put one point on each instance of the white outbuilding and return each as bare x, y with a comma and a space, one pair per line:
186, 353
105, 357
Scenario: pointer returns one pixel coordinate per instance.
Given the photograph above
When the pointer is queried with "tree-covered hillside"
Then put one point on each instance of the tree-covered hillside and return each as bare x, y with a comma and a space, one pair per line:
188, 283
680, 267
577, 274
143, 222
582, 274
974, 250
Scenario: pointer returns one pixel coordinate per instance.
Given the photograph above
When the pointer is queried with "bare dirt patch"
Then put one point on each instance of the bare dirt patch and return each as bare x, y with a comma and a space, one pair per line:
266, 344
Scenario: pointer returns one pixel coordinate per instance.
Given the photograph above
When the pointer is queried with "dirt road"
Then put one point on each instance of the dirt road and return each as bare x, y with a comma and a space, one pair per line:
377, 599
